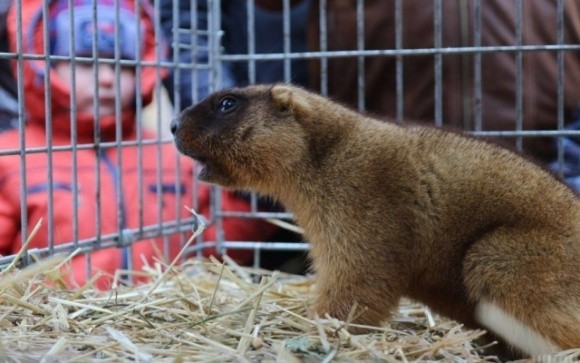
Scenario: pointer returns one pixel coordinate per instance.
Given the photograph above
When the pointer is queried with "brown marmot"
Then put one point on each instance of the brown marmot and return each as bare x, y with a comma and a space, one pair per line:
471, 229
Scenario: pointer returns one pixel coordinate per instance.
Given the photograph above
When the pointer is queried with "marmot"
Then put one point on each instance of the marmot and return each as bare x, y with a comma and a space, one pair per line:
473, 230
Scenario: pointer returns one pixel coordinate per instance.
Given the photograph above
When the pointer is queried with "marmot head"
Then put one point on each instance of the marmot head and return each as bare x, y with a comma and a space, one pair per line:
244, 137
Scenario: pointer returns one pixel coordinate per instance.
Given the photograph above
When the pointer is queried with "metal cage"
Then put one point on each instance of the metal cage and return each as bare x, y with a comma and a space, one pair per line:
201, 33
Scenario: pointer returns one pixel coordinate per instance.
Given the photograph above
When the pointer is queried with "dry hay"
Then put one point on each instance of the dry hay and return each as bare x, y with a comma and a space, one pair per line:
206, 311
201, 311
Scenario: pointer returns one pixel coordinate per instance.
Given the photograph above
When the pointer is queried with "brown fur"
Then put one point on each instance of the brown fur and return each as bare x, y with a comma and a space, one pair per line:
394, 210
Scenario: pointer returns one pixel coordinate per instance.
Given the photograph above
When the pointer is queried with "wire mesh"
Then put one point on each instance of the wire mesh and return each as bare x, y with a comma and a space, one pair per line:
203, 35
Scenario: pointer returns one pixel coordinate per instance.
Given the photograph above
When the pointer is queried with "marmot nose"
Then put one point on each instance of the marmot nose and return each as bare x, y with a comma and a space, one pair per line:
173, 125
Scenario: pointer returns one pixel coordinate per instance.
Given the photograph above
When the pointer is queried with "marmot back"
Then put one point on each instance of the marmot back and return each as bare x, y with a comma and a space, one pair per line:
473, 230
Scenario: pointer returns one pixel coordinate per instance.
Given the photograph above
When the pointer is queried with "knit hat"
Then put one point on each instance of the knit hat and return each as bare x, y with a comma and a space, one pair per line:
112, 21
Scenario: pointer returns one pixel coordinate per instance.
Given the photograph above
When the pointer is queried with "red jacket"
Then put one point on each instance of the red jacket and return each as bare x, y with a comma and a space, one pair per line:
118, 175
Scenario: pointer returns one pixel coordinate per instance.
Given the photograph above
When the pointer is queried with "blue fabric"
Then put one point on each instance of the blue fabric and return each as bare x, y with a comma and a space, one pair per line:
41, 188
106, 33
168, 188
570, 168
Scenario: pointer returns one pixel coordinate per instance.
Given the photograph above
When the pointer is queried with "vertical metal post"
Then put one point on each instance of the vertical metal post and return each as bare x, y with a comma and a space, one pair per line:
175, 46
48, 126
215, 34
466, 77
176, 74
251, 40
399, 59
360, 35
214, 41
438, 63
519, 74
477, 94
159, 144
73, 125
97, 138
560, 85
323, 26
287, 42
194, 35
121, 212
21, 121
139, 116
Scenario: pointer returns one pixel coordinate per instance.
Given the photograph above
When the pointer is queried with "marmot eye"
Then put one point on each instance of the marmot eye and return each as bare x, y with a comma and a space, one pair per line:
227, 104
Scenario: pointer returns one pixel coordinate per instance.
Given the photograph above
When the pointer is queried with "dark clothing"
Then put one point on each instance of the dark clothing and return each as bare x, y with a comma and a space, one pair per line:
498, 69
570, 168
269, 38
187, 51
8, 92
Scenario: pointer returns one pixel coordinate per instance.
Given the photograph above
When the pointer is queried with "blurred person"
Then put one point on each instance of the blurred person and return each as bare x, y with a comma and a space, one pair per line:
498, 68
119, 168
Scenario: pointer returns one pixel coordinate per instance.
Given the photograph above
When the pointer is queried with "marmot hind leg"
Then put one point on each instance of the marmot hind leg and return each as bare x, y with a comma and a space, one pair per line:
527, 289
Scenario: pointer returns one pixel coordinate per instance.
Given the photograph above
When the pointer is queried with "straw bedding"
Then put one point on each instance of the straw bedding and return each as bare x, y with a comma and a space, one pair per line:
206, 311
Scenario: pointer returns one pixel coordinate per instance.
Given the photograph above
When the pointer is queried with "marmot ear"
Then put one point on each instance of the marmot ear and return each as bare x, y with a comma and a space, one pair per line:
290, 99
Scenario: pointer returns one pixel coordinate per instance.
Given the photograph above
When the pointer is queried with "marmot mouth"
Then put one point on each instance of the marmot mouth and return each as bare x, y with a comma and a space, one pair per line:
201, 170
201, 166
195, 156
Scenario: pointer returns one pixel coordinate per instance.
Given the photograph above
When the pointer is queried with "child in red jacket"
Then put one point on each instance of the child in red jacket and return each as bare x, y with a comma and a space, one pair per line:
97, 176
